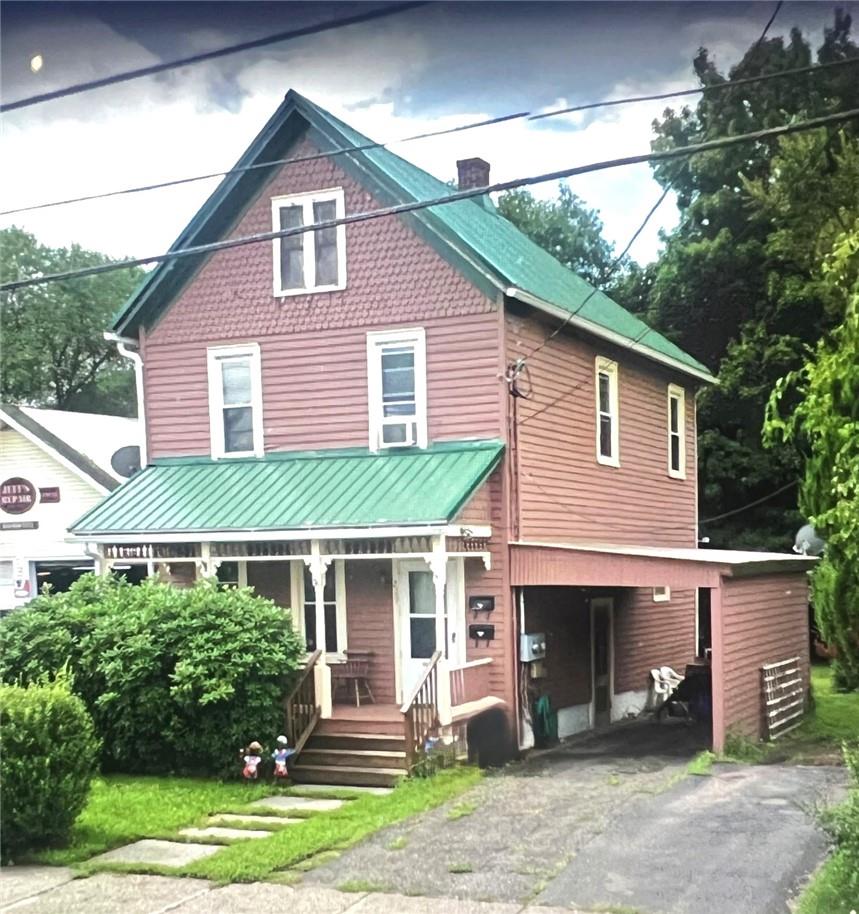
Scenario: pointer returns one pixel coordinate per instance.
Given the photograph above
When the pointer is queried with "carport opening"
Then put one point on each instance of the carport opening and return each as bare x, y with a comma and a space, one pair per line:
601, 646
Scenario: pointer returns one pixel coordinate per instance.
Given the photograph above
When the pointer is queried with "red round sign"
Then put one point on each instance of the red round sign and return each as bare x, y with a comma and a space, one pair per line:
17, 495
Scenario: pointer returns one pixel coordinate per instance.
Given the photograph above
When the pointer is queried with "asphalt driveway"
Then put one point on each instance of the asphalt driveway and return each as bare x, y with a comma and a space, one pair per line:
611, 821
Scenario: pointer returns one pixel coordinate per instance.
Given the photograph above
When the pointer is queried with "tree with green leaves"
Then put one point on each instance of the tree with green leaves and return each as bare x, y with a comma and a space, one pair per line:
738, 284
54, 353
824, 423
565, 227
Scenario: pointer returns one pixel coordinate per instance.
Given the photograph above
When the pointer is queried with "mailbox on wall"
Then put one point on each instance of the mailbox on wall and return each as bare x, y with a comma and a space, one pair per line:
478, 632
481, 605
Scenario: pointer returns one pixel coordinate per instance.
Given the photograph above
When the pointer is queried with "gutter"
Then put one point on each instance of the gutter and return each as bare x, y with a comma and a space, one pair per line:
596, 330
122, 345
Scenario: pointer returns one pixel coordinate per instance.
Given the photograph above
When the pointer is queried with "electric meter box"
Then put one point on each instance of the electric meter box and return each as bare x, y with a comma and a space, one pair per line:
532, 647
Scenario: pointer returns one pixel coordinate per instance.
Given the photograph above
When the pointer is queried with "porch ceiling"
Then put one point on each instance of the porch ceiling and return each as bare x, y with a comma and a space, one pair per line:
314, 490
598, 565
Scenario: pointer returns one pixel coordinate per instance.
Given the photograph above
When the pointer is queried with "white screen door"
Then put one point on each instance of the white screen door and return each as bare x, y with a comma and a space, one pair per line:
417, 618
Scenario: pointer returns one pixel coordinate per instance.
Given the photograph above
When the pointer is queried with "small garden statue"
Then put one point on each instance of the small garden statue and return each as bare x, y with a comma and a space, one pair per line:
280, 755
252, 758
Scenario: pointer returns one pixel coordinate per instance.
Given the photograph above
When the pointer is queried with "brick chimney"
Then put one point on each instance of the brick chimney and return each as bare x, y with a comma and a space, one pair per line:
472, 173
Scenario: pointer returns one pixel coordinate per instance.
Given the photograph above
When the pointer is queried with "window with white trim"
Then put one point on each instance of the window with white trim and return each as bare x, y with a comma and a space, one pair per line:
235, 401
310, 261
232, 574
396, 388
676, 437
661, 594
607, 413
334, 601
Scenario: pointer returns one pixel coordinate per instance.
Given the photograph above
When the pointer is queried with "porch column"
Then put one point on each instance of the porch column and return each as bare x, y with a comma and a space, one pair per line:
438, 566
318, 565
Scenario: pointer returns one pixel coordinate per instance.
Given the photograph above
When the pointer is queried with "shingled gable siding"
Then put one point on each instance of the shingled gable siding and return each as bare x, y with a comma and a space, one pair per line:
565, 495
649, 635
764, 619
314, 362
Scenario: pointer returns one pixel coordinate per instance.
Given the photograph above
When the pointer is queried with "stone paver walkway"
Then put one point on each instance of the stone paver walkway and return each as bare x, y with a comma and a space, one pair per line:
217, 831
308, 804
164, 853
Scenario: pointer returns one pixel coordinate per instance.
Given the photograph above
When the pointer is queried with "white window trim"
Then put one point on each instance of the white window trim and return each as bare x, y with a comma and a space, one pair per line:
607, 366
306, 201
338, 569
679, 394
376, 340
216, 399
661, 594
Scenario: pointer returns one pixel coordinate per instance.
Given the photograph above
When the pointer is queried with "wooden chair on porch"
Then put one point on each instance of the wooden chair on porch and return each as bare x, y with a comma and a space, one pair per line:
353, 676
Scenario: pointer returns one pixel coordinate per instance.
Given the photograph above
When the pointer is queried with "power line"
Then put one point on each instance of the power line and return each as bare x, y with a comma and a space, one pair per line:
770, 21
456, 196
487, 122
127, 75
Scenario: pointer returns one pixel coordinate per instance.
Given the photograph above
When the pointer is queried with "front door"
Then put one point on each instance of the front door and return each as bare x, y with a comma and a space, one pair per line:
602, 660
417, 618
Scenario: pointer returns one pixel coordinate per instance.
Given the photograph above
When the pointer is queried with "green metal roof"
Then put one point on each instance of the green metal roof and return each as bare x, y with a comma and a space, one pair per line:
469, 233
296, 491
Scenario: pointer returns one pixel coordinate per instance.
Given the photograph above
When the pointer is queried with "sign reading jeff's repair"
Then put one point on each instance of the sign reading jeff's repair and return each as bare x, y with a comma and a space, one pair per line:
17, 495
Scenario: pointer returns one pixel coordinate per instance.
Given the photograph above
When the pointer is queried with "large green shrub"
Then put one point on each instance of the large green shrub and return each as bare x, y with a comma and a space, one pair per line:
175, 679
49, 756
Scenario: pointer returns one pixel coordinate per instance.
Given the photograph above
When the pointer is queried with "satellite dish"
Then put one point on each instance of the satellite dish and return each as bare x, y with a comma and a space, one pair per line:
126, 461
808, 542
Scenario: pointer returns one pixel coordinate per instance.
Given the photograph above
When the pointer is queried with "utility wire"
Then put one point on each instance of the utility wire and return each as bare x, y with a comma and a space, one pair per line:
770, 21
518, 115
456, 196
358, 18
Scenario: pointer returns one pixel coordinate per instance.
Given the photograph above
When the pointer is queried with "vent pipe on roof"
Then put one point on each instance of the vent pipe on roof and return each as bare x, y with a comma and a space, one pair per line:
472, 173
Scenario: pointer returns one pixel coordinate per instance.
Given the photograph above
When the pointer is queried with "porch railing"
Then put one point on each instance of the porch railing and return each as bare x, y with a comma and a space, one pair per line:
302, 706
420, 711
470, 681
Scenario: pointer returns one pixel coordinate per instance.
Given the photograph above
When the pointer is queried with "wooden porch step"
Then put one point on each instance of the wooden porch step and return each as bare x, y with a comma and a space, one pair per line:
350, 726
347, 776
354, 758
359, 741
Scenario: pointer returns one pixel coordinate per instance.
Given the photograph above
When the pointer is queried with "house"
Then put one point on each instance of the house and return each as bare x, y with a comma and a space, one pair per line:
54, 465
433, 443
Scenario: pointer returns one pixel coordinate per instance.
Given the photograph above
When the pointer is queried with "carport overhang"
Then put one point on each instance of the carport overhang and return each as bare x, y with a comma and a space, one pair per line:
540, 564
534, 564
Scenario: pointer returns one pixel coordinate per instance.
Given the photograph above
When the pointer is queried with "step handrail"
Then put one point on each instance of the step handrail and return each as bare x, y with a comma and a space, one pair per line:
301, 707
420, 711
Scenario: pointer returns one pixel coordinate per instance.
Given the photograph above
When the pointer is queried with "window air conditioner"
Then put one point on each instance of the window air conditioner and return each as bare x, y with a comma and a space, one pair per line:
398, 431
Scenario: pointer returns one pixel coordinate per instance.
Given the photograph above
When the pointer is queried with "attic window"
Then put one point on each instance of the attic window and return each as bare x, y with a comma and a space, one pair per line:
313, 261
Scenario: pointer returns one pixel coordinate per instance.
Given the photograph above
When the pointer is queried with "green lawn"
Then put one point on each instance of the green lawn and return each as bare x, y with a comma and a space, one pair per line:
122, 809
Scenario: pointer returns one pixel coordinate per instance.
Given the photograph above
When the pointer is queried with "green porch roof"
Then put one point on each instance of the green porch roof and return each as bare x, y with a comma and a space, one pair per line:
470, 234
295, 491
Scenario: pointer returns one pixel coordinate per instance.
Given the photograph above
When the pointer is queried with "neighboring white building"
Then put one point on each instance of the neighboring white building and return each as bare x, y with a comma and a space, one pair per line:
54, 466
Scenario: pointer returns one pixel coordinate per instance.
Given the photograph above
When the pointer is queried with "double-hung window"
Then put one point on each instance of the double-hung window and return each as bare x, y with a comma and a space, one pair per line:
607, 413
676, 436
396, 382
334, 603
235, 401
312, 261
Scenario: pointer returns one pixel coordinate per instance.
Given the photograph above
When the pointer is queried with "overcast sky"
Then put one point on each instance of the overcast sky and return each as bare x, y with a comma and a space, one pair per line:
435, 66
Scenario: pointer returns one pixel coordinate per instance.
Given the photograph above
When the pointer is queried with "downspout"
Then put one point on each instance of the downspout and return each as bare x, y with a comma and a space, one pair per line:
122, 346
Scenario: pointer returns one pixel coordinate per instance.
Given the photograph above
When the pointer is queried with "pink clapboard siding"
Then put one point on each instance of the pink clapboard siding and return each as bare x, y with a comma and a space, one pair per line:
761, 620
564, 494
313, 347
649, 635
